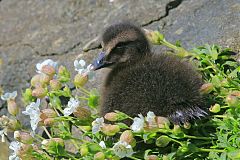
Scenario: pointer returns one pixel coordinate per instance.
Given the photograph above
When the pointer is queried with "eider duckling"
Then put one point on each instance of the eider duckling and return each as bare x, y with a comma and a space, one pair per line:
141, 81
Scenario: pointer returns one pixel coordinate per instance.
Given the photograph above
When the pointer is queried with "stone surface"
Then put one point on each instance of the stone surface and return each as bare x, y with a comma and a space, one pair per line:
199, 22
34, 30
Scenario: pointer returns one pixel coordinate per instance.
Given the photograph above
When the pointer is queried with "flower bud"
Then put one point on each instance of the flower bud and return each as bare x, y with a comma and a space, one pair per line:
177, 129
83, 150
4, 120
80, 80
23, 137
162, 141
49, 144
48, 113
155, 37
184, 149
14, 125
49, 121
48, 70
165, 157
206, 88
215, 108
152, 157
82, 113
162, 122
187, 125
128, 137
110, 130
39, 92
27, 96
99, 156
112, 116
55, 85
63, 74
45, 79
236, 93
35, 81
12, 107
62, 70
25, 152
233, 99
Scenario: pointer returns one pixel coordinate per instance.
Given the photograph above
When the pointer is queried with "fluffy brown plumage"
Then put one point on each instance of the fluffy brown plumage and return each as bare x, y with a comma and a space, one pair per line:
141, 81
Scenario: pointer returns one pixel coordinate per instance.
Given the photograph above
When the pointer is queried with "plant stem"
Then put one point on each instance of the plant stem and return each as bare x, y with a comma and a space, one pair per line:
174, 140
45, 129
75, 144
134, 158
170, 45
202, 138
211, 150
220, 116
84, 90
83, 98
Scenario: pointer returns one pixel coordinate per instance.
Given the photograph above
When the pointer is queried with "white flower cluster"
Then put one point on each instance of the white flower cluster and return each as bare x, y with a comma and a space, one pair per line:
3, 133
123, 149
47, 62
97, 124
83, 69
138, 122
72, 105
34, 112
8, 96
15, 146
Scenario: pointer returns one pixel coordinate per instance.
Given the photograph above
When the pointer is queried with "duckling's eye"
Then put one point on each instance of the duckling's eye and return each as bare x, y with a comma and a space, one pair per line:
122, 44
100, 61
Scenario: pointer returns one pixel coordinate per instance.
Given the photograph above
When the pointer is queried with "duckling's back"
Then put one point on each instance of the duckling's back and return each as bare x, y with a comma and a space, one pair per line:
163, 84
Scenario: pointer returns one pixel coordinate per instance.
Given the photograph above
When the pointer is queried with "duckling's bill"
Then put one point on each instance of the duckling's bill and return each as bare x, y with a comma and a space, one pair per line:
100, 62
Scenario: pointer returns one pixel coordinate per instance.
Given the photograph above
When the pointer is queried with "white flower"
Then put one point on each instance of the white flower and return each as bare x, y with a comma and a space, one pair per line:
150, 117
3, 133
102, 144
138, 123
72, 105
123, 149
15, 146
97, 124
80, 67
45, 63
34, 112
7, 96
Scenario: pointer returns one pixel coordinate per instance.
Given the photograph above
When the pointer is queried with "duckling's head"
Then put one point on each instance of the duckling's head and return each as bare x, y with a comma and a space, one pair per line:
122, 43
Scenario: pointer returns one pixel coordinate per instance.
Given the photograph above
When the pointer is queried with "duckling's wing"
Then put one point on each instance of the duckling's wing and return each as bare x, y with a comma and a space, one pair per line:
162, 84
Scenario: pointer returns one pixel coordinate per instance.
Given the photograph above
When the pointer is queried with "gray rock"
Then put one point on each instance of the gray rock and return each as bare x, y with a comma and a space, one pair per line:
31, 31
199, 22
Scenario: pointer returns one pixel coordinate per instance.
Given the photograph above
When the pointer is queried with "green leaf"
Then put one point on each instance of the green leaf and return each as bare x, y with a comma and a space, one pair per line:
93, 99
122, 125
94, 148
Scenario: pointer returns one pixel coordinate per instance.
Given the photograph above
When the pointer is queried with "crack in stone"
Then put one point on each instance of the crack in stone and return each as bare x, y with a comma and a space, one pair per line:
32, 47
87, 47
11, 44
64, 52
171, 5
